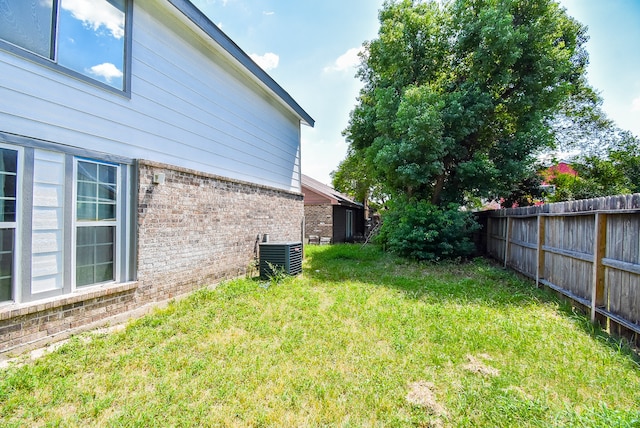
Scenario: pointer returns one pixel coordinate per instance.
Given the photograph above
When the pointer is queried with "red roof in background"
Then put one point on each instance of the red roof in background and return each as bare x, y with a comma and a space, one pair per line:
560, 168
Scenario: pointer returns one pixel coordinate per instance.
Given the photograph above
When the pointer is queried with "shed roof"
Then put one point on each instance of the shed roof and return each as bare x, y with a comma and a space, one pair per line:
204, 23
331, 194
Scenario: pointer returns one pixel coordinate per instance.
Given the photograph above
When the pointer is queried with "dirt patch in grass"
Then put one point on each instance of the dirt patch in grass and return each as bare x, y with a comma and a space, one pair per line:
421, 394
476, 365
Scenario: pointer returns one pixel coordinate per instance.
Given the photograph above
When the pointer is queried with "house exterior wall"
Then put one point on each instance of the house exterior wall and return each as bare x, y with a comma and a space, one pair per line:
199, 228
318, 220
339, 224
228, 147
330, 221
189, 106
194, 230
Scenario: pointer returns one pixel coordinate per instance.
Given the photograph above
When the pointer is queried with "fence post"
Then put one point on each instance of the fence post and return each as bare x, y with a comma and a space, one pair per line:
507, 240
540, 251
488, 246
599, 249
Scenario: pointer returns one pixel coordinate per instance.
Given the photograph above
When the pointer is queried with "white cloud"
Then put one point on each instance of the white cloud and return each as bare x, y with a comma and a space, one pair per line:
268, 61
635, 104
346, 61
106, 70
268, 13
96, 14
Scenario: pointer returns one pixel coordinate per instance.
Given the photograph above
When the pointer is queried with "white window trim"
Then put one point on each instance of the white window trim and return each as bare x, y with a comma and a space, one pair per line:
16, 290
118, 244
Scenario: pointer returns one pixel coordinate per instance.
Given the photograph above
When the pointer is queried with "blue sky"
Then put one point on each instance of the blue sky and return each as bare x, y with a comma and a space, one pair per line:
309, 48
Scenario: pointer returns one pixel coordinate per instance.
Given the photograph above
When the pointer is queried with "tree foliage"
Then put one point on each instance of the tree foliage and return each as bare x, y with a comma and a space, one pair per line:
353, 178
614, 173
459, 96
420, 230
581, 125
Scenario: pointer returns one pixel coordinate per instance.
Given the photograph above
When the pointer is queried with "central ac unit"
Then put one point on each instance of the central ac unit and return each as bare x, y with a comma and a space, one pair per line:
280, 255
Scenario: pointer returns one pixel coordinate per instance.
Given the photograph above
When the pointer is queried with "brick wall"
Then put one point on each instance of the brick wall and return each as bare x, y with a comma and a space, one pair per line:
53, 319
318, 220
194, 230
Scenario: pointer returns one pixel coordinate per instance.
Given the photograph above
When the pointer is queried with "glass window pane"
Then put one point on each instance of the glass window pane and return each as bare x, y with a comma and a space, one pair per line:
85, 235
8, 188
106, 212
96, 198
8, 210
86, 211
87, 171
104, 253
107, 174
86, 191
85, 256
106, 193
104, 234
104, 272
84, 275
6, 264
6, 240
27, 24
94, 255
8, 183
5, 289
8, 160
91, 39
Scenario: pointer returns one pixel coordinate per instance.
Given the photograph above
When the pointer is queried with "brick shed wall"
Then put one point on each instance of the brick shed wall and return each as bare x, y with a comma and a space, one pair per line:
318, 220
194, 230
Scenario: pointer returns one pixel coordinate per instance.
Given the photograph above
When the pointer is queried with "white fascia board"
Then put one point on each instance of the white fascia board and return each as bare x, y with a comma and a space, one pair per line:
237, 55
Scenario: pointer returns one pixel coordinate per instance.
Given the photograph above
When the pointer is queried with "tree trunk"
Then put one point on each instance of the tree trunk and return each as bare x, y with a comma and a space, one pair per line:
437, 189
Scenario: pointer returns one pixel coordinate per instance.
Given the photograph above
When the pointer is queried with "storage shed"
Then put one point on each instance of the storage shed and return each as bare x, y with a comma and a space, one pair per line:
330, 214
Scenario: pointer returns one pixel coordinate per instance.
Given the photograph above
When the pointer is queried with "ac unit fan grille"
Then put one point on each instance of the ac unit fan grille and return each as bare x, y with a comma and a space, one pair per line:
286, 256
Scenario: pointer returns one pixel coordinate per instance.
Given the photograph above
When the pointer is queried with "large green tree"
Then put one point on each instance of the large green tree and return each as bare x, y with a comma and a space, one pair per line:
459, 96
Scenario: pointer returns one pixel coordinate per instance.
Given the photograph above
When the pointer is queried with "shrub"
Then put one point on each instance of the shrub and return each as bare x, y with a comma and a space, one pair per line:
423, 231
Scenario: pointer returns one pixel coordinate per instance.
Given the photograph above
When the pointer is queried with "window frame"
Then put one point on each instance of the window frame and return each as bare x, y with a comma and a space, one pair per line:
349, 224
52, 64
16, 226
116, 224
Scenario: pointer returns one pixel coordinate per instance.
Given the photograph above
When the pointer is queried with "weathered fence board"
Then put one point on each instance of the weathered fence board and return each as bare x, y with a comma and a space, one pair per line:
587, 250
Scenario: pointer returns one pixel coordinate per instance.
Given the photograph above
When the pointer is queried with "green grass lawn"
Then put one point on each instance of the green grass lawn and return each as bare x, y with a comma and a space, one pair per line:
361, 339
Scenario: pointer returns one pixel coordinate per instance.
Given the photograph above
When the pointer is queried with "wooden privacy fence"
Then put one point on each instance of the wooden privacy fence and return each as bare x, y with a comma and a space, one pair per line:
588, 250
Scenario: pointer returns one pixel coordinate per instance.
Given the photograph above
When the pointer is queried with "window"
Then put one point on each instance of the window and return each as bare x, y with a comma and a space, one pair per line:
8, 202
85, 36
349, 225
66, 221
96, 222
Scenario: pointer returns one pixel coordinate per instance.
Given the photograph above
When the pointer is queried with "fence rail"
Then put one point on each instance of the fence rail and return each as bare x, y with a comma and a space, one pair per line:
587, 250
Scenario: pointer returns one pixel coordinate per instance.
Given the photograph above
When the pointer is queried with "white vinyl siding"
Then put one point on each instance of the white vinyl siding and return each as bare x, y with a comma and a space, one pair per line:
189, 107
47, 222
